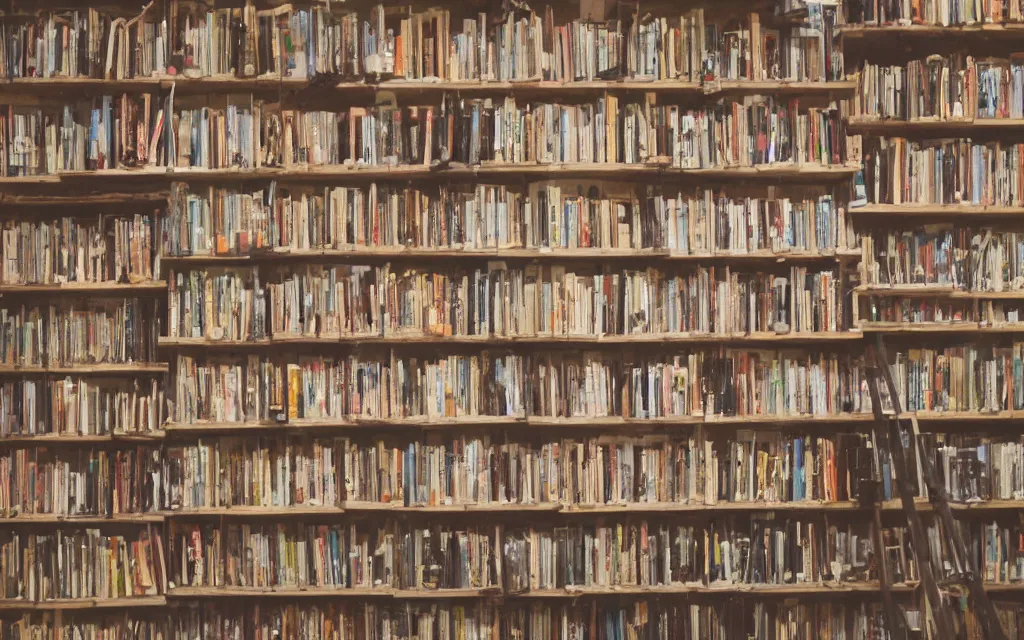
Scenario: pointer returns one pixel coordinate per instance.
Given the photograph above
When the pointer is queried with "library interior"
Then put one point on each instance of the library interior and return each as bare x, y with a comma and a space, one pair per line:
511, 320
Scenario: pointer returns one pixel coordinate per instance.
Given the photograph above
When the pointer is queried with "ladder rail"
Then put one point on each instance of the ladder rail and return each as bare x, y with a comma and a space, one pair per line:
939, 499
898, 629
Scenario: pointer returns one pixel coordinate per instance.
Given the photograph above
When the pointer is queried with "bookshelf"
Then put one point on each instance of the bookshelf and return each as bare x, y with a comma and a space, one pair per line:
414, 320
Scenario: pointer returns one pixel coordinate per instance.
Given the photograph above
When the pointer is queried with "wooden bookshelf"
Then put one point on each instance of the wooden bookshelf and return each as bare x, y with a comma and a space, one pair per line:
146, 189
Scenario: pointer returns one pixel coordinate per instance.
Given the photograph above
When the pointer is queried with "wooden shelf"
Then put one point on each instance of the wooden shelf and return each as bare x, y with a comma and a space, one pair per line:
777, 170
390, 507
534, 422
48, 518
90, 288
929, 210
180, 83
45, 439
541, 341
381, 508
539, 422
550, 508
399, 253
937, 291
249, 511
85, 199
325, 592
235, 84
892, 126
88, 369
569, 592
83, 603
894, 328
1014, 30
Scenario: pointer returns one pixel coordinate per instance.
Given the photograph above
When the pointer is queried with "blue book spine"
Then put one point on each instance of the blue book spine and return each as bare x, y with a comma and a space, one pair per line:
798, 470
410, 473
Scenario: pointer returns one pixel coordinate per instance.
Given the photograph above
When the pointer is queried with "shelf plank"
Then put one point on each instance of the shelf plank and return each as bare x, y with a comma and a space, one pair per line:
913, 210
533, 422
936, 290
895, 328
892, 126
540, 422
1011, 30
51, 519
511, 341
82, 603
127, 368
90, 288
550, 508
233, 83
569, 592
777, 170
249, 511
46, 439
85, 199
400, 253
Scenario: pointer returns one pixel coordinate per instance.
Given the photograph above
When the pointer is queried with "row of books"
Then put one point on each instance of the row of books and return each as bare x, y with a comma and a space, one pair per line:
939, 87
81, 406
555, 215
73, 250
761, 467
354, 300
641, 620
969, 314
753, 467
64, 482
974, 378
975, 468
307, 42
960, 257
934, 12
254, 472
901, 171
78, 332
81, 564
136, 131
554, 384
621, 553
